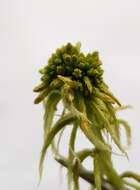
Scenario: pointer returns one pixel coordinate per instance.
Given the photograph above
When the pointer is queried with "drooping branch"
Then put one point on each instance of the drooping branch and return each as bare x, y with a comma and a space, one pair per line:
84, 173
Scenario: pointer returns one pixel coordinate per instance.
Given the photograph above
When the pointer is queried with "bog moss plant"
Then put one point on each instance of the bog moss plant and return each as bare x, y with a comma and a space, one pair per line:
76, 79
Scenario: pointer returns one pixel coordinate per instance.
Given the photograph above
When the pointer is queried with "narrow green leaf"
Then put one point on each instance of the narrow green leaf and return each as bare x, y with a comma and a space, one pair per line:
93, 138
88, 83
97, 171
83, 154
112, 96
54, 147
127, 129
129, 174
103, 97
39, 88
109, 171
113, 119
56, 84
134, 186
88, 131
96, 116
68, 97
41, 96
120, 108
101, 104
109, 128
50, 107
72, 84
59, 140
96, 122
65, 120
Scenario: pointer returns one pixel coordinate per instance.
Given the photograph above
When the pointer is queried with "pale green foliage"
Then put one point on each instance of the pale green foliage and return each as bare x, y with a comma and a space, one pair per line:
50, 107
65, 120
127, 129
71, 155
97, 171
129, 174
76, 80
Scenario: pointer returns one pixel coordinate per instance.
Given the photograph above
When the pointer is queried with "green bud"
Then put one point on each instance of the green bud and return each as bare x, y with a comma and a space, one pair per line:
91, 72
96, 73
101, 71
86, 66
54, 56
57, 61
77, 73
81, 65
39, 88
58, 52
45, 78
60, 70
68, 47
67, 58
74, 50
42, 71
52, 73
41, 96
69, 70
81, 57
63, 50
95, 55
56, 83
50, 61
78, 46
50, 68
74, 59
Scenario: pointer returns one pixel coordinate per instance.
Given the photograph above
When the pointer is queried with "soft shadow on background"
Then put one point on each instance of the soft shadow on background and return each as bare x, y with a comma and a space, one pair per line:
29, 31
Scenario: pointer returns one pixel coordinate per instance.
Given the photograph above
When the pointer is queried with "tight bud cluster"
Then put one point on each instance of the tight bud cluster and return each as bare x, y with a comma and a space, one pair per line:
70, 62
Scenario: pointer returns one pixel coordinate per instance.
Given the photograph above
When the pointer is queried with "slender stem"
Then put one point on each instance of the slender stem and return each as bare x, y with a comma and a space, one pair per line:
84, 173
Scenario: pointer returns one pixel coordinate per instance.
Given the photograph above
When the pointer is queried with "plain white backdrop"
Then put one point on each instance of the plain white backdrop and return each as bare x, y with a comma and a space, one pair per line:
30, 30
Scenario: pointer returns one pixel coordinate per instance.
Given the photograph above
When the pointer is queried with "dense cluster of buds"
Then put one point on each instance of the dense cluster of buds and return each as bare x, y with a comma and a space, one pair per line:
84, 70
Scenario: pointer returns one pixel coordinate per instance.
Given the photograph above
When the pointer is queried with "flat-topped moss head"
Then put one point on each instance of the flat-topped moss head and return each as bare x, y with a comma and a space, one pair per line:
68, 61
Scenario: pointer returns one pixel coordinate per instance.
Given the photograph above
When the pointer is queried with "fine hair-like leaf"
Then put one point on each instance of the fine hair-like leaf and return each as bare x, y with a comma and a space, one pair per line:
109, 129
50, 107
97, 171
127, 129
129, 174
65, 120
109, 171
87, 130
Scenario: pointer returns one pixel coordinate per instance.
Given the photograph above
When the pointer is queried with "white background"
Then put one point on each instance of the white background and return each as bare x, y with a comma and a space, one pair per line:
29, 31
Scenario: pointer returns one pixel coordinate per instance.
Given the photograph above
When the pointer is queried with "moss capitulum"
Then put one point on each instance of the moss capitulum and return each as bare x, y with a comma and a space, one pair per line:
70, 62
